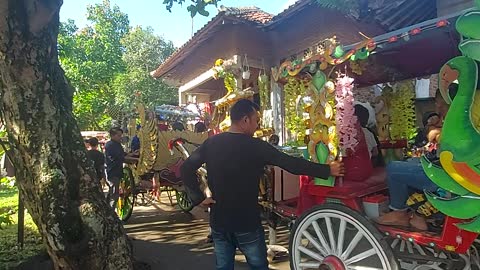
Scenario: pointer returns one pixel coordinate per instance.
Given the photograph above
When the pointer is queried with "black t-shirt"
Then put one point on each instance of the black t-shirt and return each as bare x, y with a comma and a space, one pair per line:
114, 158
98, 161
235, 163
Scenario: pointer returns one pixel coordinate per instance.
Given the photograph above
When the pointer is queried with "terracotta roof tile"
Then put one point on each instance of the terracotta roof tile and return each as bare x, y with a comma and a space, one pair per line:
253, 14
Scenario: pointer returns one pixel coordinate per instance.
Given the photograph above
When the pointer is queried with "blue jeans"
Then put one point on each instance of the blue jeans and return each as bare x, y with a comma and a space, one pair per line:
251, 244
403, 176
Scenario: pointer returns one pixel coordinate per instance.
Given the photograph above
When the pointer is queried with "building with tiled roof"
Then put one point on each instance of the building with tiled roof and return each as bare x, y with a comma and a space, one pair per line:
267, 40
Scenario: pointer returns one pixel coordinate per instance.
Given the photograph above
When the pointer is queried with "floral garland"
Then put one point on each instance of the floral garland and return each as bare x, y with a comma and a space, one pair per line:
345, 117
294, 122
402, 119
329, 52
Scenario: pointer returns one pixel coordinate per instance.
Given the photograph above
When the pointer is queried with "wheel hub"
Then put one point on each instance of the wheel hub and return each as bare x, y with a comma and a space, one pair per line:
332, 263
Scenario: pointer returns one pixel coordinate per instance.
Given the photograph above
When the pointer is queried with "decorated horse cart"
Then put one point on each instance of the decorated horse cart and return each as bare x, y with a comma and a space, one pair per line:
159, 161
331, 219
338, 231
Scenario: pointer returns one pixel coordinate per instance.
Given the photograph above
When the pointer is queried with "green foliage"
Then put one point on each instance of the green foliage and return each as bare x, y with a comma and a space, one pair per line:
196, 6
92, 58
143, 53
10, 254
8, 202
107, 63
145, 50
150, 91
7, 183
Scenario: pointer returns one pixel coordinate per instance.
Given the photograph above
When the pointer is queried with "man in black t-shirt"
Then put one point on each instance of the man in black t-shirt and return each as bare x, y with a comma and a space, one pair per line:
97, 157
235, 161
115, 156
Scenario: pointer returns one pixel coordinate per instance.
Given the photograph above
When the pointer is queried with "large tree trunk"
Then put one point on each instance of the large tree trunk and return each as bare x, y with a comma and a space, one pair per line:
59, 188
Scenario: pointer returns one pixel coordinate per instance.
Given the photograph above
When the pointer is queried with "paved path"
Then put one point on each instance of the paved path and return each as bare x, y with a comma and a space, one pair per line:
168, 239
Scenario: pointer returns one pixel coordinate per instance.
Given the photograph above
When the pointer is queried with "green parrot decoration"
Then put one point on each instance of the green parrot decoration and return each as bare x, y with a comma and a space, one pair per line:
460, 138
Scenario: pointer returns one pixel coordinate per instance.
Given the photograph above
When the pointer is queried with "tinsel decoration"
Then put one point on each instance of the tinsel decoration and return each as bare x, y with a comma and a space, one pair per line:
345, 116
230, 82
264, 91
402, 113
294, 122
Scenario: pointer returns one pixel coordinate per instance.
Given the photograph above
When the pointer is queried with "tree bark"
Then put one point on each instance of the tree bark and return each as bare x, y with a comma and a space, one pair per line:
60, 190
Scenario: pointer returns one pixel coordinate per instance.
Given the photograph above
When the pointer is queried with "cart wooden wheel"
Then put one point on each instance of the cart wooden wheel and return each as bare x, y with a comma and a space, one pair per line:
183, 201
320, 240
126, 198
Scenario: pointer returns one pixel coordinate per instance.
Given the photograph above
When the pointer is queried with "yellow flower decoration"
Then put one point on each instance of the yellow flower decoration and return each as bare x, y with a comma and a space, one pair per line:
219, 62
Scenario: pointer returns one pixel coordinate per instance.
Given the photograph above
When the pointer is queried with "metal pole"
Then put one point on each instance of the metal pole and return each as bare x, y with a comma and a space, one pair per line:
21, 221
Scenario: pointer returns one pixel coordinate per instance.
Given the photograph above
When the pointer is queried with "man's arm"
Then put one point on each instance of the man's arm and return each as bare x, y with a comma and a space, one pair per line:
297, 166
188, 172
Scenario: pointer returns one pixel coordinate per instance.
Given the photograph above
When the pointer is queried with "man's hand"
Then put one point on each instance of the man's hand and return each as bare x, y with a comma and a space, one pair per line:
207, 202
131, 160
337, 168
132, 154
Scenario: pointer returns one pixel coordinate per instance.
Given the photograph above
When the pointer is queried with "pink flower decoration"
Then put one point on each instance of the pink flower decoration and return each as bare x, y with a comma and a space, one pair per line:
345, 116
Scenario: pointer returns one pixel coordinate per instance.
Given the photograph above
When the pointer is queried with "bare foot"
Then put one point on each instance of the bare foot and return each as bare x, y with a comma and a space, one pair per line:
419, 222
394, 218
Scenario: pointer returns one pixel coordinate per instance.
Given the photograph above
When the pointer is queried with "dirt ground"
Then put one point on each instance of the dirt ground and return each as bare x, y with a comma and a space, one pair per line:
169, 239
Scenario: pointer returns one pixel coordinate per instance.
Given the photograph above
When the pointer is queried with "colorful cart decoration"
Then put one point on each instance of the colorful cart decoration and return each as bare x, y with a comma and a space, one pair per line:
459, 157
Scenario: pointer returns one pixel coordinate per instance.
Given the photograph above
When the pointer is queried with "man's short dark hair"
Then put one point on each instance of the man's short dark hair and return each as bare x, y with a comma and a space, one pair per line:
242, 108
362, 114
178, 126
114, 131
200, 127
92, 141
428, 115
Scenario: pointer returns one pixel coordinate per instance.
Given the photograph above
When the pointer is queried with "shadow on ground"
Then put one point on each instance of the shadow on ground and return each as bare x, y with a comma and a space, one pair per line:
169, 239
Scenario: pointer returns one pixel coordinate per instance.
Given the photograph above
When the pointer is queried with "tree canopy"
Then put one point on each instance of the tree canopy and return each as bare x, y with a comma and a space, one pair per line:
108, 64
143, 53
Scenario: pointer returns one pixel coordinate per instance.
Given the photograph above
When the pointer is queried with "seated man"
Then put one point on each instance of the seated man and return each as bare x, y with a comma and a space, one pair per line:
403, 176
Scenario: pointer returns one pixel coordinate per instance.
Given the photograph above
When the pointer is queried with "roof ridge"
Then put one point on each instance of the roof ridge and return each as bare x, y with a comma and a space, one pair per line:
242, 9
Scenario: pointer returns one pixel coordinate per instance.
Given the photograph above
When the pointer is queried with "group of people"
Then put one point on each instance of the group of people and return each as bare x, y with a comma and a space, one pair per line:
108, 166
235, 161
